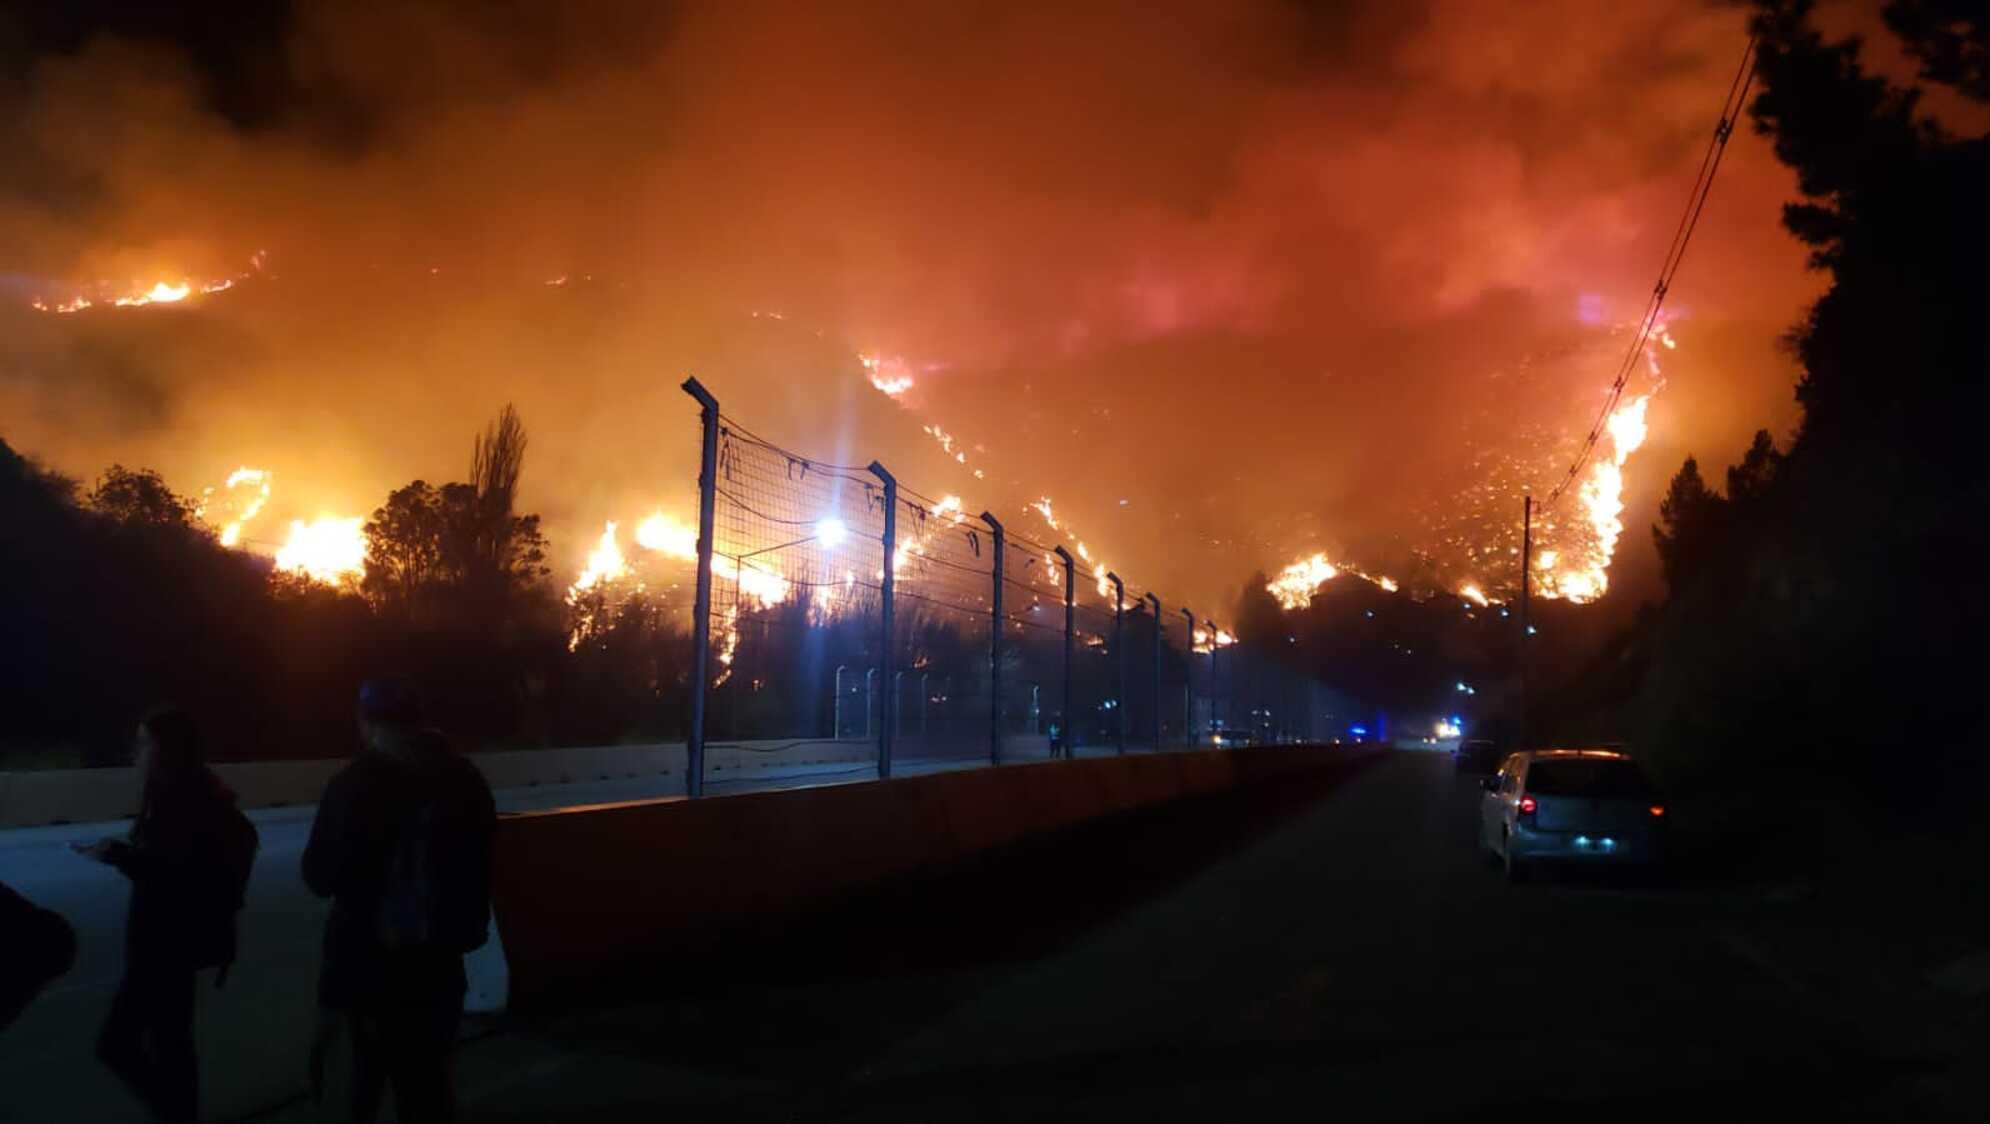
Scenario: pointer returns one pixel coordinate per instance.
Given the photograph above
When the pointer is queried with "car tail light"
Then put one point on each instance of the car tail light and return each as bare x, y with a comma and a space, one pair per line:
1657, 810
1527, 805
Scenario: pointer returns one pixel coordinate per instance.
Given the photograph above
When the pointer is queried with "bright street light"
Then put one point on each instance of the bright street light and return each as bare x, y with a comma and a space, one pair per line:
829, 531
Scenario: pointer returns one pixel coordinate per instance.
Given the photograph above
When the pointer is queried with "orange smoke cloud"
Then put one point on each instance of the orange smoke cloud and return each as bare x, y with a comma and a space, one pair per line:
1235, 283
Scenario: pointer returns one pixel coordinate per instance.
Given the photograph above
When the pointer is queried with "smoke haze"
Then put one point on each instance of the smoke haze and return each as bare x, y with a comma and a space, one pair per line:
1230, 282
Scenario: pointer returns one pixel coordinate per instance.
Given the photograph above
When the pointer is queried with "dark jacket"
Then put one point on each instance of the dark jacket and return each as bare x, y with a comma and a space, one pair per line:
358, 823
40, 946
172, 858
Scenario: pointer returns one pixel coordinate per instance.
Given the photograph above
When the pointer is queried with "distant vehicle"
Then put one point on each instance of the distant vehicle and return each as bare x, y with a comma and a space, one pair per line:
1224, 738
1573, 806
1475, 755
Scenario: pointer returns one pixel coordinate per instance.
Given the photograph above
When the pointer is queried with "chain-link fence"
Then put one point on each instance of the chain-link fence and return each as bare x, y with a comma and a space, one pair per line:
847, 610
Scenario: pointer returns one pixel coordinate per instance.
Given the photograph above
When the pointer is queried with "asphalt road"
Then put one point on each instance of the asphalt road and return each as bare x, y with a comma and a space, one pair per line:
1344, 954
254, 1033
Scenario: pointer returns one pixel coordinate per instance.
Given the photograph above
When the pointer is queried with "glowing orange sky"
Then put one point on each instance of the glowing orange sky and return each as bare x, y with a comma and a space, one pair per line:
1270, 277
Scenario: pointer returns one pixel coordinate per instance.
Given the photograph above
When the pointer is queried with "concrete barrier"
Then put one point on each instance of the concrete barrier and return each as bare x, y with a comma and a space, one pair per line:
579, 902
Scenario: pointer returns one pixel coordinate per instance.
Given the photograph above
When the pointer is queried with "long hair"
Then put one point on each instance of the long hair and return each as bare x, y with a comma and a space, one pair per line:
178, 771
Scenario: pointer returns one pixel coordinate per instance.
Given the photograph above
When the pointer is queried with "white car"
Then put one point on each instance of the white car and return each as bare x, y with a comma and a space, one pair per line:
1570, 805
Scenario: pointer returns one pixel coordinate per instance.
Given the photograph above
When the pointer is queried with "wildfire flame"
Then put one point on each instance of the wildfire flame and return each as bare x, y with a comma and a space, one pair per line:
946, 441
1100, 567
160, 292
1206, 640
890, 375
256, 479
666, 535
1099, 570
329, 549
1601, 495
604, 564
1295, 585
1572, 555
609, 571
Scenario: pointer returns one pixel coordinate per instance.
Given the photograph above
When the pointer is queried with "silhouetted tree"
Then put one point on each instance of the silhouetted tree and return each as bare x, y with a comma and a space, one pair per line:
403, 547
1847, 560
27, 486
1751, 481
1949, 38
501, 543
140, 498
1895, 365
460, 550
1689, 525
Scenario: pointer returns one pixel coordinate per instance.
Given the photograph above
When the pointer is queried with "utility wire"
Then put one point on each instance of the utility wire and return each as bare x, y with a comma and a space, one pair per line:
1682, 235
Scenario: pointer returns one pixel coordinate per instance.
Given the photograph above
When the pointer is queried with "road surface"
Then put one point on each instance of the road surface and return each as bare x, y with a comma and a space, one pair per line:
254, 1033
1344, 957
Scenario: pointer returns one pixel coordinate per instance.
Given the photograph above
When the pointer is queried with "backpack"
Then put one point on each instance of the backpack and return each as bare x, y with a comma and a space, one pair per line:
432, 896
233, 848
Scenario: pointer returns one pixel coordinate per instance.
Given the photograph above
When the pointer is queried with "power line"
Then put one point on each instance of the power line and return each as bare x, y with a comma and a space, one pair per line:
1682, 235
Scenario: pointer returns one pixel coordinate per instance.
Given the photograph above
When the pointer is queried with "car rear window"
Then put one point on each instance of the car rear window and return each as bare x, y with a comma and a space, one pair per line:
1595, 778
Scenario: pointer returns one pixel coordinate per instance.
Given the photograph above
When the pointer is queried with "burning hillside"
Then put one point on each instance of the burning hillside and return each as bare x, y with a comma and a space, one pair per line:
1299, 321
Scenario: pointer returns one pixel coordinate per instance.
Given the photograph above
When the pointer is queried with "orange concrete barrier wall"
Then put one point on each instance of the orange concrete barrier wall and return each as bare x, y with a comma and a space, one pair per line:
583, 895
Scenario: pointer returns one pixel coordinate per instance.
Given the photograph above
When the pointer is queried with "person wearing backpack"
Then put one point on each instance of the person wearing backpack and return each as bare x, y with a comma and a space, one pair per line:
188, 857
402, 846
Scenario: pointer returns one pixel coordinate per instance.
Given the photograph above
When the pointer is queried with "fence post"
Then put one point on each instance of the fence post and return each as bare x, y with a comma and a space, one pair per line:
1155, 603
888, 710
701, 611
836, 708
1118, 661
995, 646
1188, 685
1070, 631
1219, 715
